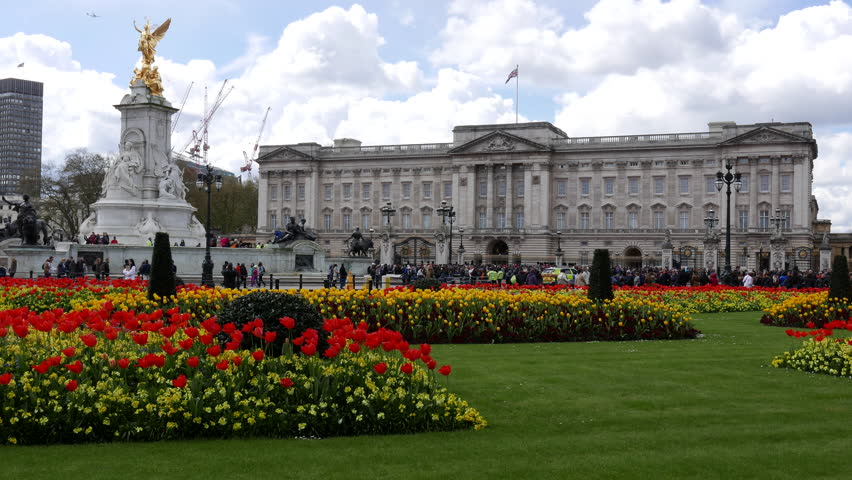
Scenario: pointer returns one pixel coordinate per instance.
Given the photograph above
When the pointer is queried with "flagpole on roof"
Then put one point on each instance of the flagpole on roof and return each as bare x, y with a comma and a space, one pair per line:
516, 94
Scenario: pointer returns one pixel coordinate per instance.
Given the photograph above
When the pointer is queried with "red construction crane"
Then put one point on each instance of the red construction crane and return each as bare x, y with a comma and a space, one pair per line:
253, 157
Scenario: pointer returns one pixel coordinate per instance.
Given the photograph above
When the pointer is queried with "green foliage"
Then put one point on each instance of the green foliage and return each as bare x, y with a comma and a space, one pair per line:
270, 307
840, 279
162, 273
67, 192
600, 285
426, 284
233, 208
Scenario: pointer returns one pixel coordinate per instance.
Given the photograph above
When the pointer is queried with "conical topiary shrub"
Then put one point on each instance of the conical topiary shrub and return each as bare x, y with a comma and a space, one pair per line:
600, 285
840, 279
162, 268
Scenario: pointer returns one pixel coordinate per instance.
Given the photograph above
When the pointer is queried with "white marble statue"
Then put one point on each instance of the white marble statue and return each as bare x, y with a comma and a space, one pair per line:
171, 184
125, 171
149, 225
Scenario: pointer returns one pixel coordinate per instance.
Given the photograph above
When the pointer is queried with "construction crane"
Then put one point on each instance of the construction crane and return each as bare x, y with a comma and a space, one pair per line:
253, 157
182, 104
198, 145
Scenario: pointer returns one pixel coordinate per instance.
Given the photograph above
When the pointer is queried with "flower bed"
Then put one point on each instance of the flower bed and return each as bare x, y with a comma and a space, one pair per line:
450, 315
108, 374
819, 353
807, 309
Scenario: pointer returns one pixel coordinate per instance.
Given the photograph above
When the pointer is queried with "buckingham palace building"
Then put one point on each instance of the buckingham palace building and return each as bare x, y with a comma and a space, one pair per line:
528, 192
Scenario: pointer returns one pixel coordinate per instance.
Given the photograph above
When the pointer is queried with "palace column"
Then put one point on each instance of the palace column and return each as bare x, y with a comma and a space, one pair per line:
528, 200
491, 197
263, 204
507, 206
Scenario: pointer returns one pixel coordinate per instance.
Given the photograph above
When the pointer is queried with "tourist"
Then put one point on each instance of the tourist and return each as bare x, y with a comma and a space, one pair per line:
129, 270
748, 280
149, 242
113, 241
342, 275
98, 269
144, 270
13, 267
60, 269
47, 267
253, 270
260, 272
182, 243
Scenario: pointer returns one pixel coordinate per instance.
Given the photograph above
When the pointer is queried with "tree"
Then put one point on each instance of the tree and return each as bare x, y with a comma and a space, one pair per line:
162, 280
67, 192
600, 285
840, 279
234, 207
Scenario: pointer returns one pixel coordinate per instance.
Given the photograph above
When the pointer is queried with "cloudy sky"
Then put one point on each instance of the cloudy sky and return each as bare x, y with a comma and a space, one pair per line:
401, 71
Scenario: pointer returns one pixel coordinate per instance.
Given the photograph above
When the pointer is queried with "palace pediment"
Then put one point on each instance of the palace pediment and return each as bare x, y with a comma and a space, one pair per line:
283, 153
765, 135
499, 142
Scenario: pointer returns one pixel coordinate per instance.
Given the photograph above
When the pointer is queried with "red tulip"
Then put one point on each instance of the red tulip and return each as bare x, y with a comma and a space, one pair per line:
425, 348
192, 362
445, 370
71, 385
21, 330
5, 378
140, 338
380, 368
237, 361
90, 340
257, 355
186, 344
214, 351
269, 337
69, 352
432, 364
288, 322
180, 381
75, 367
223, 365
206, 339
123, 363
407, 368
286, 382
309, 349
354, 347
41, 367
191, 332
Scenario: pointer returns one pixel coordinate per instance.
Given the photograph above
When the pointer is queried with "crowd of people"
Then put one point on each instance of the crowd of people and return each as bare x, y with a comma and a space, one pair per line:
240, 276
100, 239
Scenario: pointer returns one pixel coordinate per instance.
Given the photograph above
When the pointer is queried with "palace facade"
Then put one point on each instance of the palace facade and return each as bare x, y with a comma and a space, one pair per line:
521, 192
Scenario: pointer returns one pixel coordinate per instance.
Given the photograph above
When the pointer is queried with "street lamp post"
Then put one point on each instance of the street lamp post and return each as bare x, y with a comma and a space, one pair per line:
447, 211
388, 211
461, 245
559, 256
710, 240
728, 179
207, 180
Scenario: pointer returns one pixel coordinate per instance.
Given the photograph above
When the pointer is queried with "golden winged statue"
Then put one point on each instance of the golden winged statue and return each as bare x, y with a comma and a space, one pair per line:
148, 41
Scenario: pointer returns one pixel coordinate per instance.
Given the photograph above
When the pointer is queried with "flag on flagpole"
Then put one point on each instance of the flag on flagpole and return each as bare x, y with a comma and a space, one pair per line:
20, 64
512, 75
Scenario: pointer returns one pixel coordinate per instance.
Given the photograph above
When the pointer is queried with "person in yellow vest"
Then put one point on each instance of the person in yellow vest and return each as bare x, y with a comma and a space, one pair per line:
500, 276
492, 276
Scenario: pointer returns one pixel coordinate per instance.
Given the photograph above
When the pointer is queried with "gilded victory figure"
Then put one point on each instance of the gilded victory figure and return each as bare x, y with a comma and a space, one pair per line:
148, 41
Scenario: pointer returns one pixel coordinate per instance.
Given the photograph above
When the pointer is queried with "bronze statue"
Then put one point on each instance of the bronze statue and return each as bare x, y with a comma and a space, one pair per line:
358, 245
293, 231
27, 225
148, 41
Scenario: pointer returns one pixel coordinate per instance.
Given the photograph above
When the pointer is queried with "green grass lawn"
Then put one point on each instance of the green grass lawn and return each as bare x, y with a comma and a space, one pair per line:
705, 408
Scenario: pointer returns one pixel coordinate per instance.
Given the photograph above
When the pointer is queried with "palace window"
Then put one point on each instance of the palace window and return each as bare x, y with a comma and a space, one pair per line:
406, 190
347, 191
683, 185
427, 190
710, 185
633, 186
483, 220
584, 220
609, 186
562, 188
764, 183
659, 185
683, 219
584, 186
366, 191
483, 188
427, 220
519, 188
608, 220
386, 190
632, 219
742, 219
744, 178
501, 188
763, 220
406, 220
448, 189
273, 192
365, 221
329, 191
347, 222
560, 220
287, 191
786, 183
327, 221
659, 219
519, 219
273, 219
300, 191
